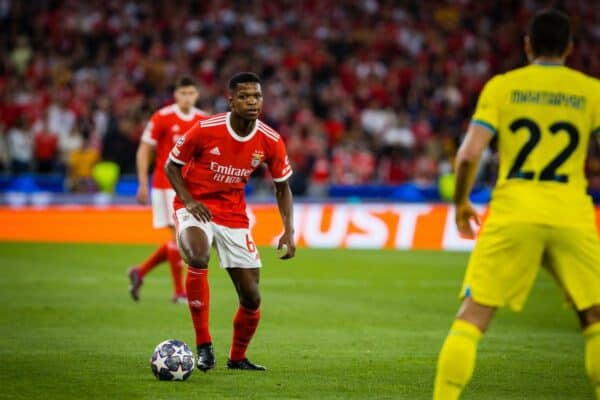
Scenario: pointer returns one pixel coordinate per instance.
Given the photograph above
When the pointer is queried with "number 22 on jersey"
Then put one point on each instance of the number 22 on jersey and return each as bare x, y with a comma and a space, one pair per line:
548, 172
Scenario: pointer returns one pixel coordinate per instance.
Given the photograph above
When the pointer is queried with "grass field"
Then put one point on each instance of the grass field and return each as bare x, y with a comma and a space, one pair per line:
336, 325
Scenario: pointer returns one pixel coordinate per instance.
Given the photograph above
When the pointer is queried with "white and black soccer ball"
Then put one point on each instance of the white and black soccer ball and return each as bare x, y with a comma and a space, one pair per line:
172, 360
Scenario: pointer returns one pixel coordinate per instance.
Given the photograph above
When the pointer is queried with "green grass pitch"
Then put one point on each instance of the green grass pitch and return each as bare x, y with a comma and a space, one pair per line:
337, 324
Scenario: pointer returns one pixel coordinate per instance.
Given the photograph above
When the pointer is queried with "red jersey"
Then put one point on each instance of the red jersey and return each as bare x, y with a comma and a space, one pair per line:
166, 126
218, 163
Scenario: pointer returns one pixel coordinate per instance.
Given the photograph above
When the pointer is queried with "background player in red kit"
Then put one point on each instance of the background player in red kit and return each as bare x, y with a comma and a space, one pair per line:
164, 129
208, 168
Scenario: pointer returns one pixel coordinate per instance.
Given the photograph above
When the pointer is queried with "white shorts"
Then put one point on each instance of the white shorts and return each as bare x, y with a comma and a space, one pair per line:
162, 207
235, 246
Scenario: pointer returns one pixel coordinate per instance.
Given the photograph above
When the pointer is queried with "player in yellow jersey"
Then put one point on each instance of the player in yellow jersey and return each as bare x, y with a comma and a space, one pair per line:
543, 116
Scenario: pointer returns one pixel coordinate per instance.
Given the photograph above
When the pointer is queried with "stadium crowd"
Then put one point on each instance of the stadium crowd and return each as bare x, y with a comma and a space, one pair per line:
364, 91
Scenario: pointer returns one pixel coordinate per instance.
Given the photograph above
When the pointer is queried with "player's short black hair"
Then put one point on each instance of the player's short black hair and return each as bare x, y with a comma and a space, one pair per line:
549, 33
243, 77
184, 81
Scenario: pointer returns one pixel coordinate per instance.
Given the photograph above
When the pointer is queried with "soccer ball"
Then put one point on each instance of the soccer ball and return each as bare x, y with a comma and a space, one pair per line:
172, 360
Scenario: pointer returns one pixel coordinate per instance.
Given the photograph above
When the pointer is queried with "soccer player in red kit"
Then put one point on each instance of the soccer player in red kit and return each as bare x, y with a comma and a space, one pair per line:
208, 168
166, 126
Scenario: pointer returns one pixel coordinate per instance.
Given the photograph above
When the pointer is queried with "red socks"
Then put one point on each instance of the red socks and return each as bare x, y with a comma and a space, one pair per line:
244, 326
245, 321
176, 265
198, 294
159, 256
167, 251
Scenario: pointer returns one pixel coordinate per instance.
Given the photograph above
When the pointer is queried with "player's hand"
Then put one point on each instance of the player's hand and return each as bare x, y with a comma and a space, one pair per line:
464, 214
198, 210
142, 194
286, 246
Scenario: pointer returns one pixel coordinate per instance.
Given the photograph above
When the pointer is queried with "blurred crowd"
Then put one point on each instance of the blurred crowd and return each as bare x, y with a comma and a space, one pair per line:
364, 91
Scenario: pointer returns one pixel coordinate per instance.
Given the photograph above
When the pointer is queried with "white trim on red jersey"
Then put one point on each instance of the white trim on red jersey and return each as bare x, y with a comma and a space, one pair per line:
268, 131
147, 139
147, 136
284, 178
175, 109
235, 135
214, 121
167, 110
176, 160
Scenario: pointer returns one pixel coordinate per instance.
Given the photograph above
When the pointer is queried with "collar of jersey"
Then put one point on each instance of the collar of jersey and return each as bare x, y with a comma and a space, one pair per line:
548, 64
235, 135
181, 115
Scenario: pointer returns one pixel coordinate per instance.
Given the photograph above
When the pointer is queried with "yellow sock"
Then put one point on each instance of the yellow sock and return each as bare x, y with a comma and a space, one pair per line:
592, 355
456, 361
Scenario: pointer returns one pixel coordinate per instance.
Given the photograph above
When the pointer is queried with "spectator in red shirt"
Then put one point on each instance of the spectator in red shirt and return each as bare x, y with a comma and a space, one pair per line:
45, 151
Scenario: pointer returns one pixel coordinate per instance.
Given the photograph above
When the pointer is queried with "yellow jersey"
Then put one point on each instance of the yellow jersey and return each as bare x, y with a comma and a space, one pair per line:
543, 116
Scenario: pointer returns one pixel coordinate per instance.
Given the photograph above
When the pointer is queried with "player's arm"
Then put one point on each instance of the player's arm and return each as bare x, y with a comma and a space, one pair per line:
467, 163
143, 158
482, 129
180, 154
196, 208
145, 154
283, 194
281, 170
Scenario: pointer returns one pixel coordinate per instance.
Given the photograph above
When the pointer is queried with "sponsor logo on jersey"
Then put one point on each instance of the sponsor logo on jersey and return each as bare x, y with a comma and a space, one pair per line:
215, 151
229, 170
257, 158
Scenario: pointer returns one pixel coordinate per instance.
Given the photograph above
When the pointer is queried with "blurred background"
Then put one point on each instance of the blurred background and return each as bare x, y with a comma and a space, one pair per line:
372, 97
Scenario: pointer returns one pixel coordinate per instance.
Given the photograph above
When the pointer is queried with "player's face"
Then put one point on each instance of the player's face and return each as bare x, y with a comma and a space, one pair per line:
186, 97
246, 100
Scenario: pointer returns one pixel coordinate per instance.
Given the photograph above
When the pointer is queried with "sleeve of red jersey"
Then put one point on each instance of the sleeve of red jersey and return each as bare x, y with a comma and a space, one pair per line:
153, 131
279, 164
186, 147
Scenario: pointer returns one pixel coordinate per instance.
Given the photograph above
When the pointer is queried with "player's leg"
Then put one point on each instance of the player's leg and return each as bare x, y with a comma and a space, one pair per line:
175, 261
195, 240
136, 274
247, 316
246, 281
501, 272
160, 220
574, 260
456, 361
590, 324
176, 268
238, 254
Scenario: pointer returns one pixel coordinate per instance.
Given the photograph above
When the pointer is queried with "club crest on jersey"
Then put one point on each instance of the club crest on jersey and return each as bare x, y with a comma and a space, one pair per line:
257, 158
175, 128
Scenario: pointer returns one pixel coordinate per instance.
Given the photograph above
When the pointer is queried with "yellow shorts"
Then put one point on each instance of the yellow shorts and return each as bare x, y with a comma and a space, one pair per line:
507, 257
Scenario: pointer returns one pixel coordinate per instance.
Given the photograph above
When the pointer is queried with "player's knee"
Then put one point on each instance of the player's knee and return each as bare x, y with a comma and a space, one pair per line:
589, 316
197, 260
250, 300
476, 314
